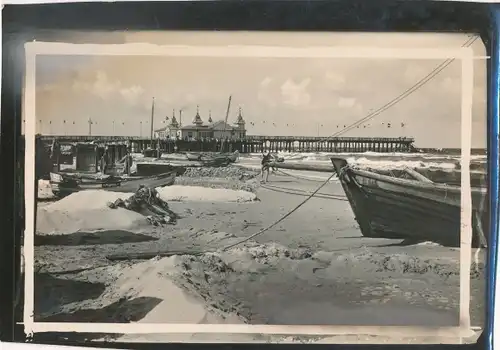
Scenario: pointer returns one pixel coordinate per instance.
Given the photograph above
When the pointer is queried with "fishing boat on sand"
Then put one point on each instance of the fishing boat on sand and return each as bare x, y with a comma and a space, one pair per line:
218, 161
231, 157
194, 156
409, 205
64, 184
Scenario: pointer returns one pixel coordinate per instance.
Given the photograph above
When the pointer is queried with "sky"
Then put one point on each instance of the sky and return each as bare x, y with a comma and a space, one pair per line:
278, 96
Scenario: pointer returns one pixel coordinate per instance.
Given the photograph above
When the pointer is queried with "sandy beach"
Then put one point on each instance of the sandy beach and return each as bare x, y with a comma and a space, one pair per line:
314, 268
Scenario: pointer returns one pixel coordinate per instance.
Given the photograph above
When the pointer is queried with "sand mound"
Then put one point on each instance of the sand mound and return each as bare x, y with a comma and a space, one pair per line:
198, 193
145, 292
156, 278
87, 211
86, 200
209, 275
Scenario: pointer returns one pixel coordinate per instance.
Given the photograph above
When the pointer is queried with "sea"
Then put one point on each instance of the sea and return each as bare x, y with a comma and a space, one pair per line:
446, 160
428, 160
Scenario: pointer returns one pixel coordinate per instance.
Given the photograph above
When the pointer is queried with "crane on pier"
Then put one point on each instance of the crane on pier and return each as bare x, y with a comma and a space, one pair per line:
152, 119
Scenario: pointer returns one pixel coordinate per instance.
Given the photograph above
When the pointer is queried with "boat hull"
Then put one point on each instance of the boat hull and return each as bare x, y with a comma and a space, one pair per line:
233, 157
126, 185
387, 207
206, 157
219, 161
194, 156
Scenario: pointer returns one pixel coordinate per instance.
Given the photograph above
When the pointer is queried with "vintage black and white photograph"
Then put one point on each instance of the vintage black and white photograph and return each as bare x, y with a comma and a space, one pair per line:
287, 191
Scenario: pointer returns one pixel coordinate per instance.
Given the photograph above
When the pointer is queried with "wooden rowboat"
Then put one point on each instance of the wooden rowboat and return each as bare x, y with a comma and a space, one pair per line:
232, 157
218, 161
65, 184
410, 207
194, 156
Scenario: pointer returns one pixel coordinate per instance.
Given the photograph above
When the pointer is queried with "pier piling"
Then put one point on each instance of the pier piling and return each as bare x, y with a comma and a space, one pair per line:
251, 144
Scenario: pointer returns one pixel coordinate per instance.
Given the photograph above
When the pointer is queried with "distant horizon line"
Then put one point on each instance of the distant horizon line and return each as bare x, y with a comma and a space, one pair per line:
249, 136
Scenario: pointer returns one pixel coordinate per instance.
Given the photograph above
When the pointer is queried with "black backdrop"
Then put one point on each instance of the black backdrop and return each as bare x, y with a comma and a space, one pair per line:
23, 23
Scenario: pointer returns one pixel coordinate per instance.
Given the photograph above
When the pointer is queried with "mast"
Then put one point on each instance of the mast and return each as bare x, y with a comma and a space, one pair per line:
90, 126
225, 123
152, 118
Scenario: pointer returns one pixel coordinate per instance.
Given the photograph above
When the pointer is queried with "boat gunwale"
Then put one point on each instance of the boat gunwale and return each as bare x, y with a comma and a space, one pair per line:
115, 186
119, 179
367, 219
158, 176
408, 182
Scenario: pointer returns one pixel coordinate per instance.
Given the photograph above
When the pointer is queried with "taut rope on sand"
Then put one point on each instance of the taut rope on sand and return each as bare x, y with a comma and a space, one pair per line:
296, 192
299, 177
282, 218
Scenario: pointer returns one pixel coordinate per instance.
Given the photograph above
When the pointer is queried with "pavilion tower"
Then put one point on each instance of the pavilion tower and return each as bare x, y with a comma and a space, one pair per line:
173, 123
240, 124
197, 119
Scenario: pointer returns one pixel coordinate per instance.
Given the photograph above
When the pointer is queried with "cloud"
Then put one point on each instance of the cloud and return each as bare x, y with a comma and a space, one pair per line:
266, 94
265, 82
414, 73
451, 84
103, 86
441, 83
335, 80
295, 94
132, 93
100, 85
358, 108
346, 102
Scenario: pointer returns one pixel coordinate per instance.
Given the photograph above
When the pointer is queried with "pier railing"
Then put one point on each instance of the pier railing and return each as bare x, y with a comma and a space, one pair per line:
253, 144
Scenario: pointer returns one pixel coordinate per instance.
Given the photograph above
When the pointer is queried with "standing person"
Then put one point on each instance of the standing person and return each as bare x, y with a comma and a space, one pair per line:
266, 163
128, 161
176, 141
104, 160
274, 160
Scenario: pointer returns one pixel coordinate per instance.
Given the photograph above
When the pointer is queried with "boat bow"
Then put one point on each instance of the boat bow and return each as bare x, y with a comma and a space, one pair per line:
396, 207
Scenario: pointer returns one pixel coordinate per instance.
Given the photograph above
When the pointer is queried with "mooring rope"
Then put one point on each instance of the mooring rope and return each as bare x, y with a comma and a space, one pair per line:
293, 191
280, 219
299, 177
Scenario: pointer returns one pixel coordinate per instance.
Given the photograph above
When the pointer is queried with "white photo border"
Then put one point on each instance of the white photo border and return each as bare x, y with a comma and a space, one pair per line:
465, 54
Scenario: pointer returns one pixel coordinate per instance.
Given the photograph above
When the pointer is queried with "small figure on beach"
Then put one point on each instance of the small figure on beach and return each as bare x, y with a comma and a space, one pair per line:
104, 160
266, 164
275, 159
128, 163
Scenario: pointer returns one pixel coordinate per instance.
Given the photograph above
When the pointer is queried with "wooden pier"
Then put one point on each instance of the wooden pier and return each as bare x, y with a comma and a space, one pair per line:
252, 144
